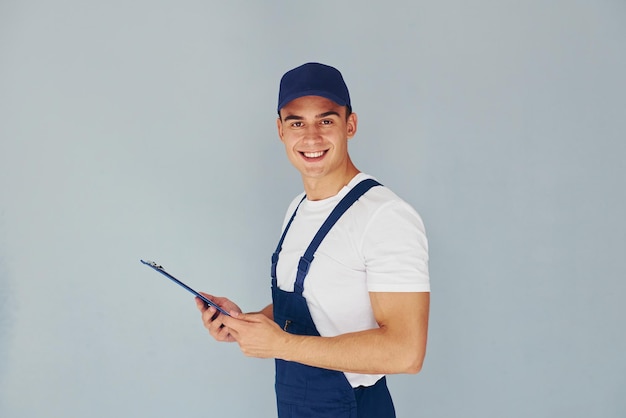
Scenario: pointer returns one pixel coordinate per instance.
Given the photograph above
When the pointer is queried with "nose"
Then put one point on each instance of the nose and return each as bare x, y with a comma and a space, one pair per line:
312, 133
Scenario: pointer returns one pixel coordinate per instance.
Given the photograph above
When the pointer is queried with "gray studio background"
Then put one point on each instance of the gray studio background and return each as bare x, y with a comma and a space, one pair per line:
146, 129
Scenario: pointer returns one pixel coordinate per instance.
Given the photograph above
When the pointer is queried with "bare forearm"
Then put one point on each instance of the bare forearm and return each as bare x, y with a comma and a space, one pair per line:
268, 311
397, 346
373, 351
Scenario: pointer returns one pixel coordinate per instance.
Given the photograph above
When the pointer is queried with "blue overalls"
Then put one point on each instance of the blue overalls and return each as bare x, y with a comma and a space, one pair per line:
310, 392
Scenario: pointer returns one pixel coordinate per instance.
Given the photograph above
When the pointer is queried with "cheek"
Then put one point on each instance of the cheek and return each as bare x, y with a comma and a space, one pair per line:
290, 139
290, 148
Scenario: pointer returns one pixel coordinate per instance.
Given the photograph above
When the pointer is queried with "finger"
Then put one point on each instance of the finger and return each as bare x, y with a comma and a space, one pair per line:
246, 317
234, 325
208, 319
217, 325
209, 315
227, 334
200, 304
233, 320
221, 332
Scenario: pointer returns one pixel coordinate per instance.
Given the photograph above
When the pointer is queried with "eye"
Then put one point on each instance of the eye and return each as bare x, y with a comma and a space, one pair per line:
326, 122
296, 124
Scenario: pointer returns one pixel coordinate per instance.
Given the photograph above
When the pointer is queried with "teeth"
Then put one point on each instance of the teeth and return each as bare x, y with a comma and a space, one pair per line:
313, 154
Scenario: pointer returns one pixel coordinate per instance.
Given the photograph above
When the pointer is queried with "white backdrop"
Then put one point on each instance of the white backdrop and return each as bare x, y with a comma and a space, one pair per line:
146, 129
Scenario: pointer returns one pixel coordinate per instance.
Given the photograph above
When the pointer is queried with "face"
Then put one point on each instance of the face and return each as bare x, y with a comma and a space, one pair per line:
315, 132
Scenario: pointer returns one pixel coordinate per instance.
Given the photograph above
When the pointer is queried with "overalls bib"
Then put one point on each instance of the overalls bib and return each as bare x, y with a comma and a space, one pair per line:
311, 392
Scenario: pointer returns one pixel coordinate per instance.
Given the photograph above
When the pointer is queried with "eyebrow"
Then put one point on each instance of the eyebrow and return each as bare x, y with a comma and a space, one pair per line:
330, 113
320, 116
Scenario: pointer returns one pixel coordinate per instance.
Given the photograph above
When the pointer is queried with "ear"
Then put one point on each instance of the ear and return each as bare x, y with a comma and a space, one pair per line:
279, 126
351, 125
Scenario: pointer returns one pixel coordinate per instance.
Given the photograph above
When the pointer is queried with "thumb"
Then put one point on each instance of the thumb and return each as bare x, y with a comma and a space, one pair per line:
247, 317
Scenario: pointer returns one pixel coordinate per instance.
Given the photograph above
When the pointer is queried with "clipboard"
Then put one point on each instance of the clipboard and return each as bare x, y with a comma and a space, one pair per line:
161, 270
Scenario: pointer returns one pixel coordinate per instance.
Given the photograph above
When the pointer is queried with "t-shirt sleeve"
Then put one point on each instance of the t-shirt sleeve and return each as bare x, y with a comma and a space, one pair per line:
395, 250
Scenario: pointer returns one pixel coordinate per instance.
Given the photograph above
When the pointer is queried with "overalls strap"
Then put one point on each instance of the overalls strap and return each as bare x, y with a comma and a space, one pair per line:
343, 205
280, 243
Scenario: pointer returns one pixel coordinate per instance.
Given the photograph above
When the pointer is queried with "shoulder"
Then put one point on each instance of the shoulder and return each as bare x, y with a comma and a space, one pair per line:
382, 202
292, 207
378, 194
295, 202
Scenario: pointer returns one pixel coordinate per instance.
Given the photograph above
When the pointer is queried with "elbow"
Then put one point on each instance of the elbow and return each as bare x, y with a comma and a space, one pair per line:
414, 368
413, 363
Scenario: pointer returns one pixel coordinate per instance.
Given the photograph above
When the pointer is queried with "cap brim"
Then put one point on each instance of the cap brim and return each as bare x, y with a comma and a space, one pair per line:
320, 93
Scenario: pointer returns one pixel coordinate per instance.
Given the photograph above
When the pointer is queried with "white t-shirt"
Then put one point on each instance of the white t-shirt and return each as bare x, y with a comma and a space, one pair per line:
378, 245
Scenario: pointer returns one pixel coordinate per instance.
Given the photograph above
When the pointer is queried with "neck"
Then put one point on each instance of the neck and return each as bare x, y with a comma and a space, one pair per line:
328, 186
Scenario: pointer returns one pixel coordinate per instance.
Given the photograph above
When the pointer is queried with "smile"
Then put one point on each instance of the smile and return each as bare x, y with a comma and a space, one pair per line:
313, 154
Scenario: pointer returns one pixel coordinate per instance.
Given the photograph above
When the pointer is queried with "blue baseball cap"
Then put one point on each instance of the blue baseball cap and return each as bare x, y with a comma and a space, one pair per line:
313, 79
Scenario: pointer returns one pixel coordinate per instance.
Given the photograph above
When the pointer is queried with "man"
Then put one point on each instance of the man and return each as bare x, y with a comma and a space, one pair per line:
350, 284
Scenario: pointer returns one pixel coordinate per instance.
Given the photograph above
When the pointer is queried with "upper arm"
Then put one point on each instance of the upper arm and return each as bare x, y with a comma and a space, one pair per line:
395, 250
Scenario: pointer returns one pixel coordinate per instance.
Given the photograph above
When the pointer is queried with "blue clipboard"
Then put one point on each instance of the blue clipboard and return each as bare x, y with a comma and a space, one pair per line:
161, 270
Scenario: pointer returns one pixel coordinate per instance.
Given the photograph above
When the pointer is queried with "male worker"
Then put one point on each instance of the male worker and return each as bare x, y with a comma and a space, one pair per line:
350, 284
